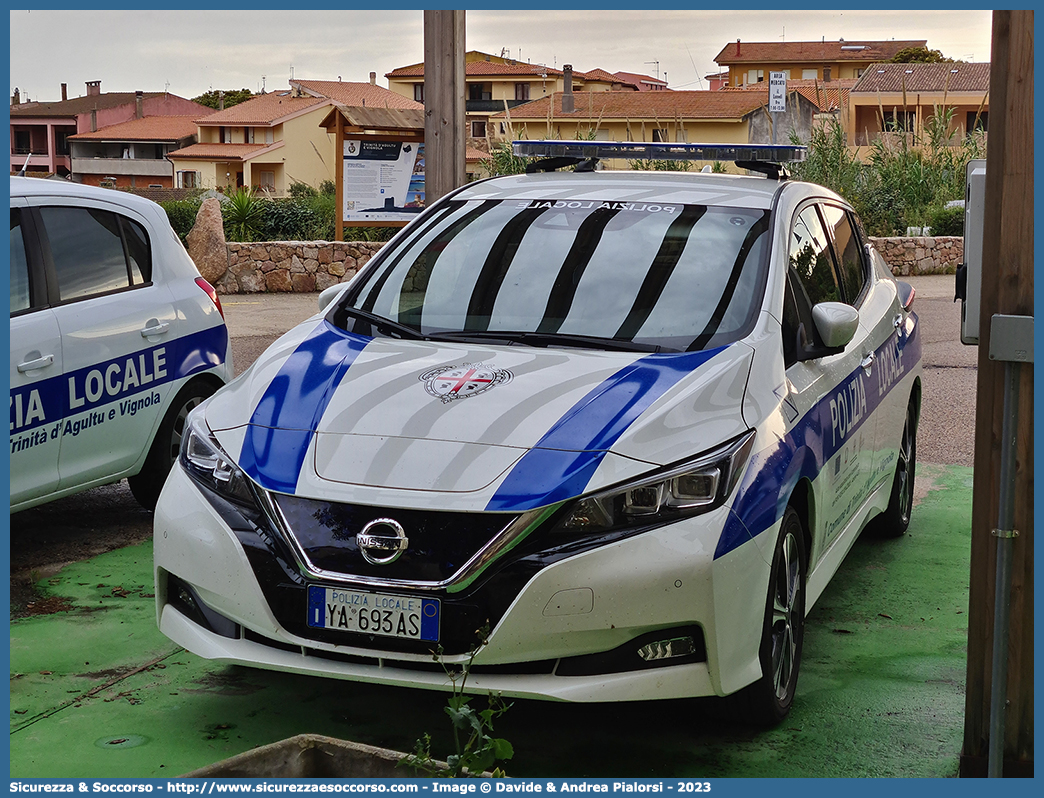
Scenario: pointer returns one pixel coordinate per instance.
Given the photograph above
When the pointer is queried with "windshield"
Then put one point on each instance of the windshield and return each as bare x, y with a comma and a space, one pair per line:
672, 276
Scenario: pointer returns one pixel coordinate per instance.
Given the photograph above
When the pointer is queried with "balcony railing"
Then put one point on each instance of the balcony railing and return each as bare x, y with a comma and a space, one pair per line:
489, 106
122, 166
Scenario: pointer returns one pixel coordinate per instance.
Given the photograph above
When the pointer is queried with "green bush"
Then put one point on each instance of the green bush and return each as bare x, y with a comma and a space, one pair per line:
328, 188
946, 221
181, 214
302, 191
285, 220
902, 182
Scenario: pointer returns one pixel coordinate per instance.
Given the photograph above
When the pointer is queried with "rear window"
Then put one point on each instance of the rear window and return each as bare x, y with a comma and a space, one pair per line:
671, 275
95, 251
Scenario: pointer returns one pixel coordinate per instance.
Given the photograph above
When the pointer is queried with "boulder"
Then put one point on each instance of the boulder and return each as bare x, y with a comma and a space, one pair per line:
206, 242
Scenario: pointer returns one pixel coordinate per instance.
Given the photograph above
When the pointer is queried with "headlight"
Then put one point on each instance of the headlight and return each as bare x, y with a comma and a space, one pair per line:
206, 462
697, 486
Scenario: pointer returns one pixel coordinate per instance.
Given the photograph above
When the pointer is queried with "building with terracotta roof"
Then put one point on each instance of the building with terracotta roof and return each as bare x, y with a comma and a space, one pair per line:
131, 154
43, 129
902, 97
268, 141
717, 80
732, 117
495, 83
641, 82
751, 62
355, 95
274, 140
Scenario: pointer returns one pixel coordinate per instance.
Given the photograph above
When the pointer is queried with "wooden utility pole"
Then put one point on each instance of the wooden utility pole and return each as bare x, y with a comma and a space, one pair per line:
1007, 288
444, 134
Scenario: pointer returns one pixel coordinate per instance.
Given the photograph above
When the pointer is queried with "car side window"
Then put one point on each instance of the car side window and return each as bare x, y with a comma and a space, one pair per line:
95, 251
810, 259
138, 258
19, 265
849, 252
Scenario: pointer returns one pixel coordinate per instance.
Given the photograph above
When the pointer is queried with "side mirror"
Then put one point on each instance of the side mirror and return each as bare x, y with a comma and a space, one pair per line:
836, 323
327, 297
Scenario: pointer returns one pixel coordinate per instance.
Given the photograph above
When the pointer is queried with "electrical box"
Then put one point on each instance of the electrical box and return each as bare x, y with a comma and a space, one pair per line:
969, 277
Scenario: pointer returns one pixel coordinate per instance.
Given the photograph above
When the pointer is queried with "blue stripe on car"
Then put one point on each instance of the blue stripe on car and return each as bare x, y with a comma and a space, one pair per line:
772, 473
286, 417
562, 463
76, 392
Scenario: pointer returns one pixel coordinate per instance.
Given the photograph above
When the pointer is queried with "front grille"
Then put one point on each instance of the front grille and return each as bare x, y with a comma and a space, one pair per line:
440, 543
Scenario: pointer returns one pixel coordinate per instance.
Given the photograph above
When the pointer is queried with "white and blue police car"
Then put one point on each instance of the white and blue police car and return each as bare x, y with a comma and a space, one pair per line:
115, 337
604, 434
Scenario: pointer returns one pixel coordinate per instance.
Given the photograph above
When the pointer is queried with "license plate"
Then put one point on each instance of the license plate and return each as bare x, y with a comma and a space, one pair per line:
382, 614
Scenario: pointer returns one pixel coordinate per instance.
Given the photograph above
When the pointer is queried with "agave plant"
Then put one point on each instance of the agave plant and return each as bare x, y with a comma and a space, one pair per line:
243, 214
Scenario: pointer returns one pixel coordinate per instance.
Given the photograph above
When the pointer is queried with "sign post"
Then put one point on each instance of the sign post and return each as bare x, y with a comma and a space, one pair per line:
777, 98
380, 165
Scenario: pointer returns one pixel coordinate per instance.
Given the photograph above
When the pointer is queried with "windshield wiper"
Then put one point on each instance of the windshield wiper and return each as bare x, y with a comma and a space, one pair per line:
381, 324
550, 339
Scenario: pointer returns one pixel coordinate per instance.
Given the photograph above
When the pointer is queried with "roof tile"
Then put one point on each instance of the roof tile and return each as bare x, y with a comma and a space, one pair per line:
357, 94
225, 152
82, 105
264, 109
643, 82
788, 52
955, 77
149, 128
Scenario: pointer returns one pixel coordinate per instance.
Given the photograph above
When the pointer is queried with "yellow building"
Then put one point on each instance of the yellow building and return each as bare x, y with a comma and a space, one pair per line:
751, 62
719, 117
274, 140
902, 97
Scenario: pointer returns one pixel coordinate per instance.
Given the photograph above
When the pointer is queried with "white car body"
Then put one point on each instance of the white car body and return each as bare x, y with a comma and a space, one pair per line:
480, 431
96, 366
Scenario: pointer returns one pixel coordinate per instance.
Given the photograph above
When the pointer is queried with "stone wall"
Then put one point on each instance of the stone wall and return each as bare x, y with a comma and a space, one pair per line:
305, 266
292, 266
925, 255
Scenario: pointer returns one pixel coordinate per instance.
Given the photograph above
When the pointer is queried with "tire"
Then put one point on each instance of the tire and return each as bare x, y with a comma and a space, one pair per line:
768, 700
895, 520
147, 484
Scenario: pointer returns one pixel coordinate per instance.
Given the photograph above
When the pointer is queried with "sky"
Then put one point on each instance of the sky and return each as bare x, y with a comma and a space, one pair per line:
188, 52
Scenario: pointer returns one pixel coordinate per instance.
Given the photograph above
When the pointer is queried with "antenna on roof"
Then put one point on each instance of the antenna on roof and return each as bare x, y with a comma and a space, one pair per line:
657, 68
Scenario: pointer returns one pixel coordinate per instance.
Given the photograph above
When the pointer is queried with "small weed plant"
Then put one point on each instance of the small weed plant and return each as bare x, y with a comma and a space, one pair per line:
476, 750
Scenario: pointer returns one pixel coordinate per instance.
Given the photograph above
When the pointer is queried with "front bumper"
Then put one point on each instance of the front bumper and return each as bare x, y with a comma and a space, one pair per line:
561, 637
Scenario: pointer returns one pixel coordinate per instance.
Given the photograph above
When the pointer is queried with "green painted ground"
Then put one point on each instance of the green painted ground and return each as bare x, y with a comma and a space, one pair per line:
98, 692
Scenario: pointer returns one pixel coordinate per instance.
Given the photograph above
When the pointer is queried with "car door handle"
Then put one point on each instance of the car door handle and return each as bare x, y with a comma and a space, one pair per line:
867, 363
156, 329
37, 363
897, 322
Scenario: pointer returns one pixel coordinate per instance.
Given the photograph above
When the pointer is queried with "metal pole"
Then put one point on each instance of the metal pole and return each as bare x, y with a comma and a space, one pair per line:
1005, 535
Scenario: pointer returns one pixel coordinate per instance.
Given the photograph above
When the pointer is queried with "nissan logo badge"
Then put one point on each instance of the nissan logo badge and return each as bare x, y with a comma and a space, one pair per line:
382, 541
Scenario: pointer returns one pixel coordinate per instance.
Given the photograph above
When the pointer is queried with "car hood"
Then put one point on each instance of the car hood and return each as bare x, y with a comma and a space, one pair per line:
330, 413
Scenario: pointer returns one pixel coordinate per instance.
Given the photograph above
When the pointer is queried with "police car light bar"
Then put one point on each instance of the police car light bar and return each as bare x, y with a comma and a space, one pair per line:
600, 150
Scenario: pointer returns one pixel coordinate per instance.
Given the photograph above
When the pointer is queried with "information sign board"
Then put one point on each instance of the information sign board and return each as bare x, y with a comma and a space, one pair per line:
777, 92
383, 180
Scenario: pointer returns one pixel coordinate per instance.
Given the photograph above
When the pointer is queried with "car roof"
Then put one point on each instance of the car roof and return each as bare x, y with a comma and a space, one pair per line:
42, 187
694, 188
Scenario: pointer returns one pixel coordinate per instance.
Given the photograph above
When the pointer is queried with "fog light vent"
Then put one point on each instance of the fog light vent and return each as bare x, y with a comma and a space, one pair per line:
666, 649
